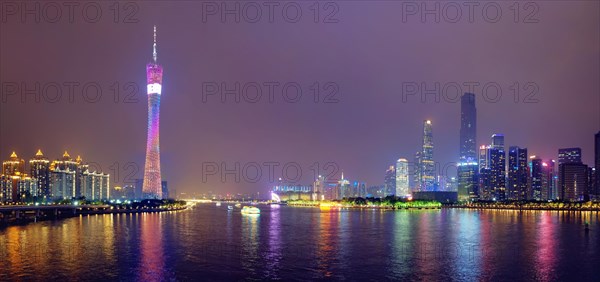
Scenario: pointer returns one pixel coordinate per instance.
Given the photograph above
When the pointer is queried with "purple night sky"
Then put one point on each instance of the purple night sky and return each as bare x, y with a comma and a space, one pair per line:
369, 54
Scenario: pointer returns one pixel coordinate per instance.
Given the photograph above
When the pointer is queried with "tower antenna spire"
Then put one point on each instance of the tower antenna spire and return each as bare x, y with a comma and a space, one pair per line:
154, 46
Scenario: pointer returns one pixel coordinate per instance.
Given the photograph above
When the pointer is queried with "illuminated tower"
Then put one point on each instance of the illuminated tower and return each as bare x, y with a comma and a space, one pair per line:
402, 189
152, 179
468, 169
427, 165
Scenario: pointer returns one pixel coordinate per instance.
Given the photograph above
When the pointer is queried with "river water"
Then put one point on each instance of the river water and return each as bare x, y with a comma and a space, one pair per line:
210, 243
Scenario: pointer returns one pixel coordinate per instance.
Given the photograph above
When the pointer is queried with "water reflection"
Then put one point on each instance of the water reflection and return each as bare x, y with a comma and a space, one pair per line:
274, 255
326, 245
546, 248
152, 257
250, 243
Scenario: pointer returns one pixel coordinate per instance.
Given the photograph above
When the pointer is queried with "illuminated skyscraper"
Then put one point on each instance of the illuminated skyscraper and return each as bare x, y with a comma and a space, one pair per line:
13, 166
152, 178
597, 165
537, 173
468, 127
468, 168
390, 182
572, 175
427, 167
497, 165
40, 171
402, 189
518, 174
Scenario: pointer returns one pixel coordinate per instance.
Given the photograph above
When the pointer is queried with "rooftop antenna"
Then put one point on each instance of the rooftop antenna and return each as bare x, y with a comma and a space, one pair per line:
154, 46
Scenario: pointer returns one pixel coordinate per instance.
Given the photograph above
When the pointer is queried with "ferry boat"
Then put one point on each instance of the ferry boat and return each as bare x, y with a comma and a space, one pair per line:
238, 205
229, 207
218, 204
250, 210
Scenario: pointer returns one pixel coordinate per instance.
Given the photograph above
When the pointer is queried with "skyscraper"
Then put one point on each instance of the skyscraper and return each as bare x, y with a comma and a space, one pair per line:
402, 189
518, 173
390, 181
468, 127
569, 155
498, 141
573, 179
468, 168
40, 171
13, 166
152, 178
497, 165
414, 169
537, 173
597, 165
572, 175
427, 166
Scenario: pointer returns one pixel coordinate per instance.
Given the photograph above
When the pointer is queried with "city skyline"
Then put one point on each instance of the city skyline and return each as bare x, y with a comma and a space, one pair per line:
246, 132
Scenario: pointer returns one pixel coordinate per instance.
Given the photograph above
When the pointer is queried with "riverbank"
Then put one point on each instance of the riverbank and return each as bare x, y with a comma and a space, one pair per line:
534, 206
383, 205
20, 215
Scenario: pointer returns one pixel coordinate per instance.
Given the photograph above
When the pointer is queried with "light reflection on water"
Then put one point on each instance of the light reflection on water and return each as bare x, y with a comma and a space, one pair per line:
286, 243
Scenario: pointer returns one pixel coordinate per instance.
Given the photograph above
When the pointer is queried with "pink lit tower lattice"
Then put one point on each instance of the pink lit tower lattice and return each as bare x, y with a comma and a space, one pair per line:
152, 179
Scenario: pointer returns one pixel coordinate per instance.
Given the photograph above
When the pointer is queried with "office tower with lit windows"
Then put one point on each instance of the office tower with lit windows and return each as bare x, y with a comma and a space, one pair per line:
468, 127
537, 175
573, 178
597, 165
414, 169
497, 166
572, 175
402, 189
390, 181
468, 168
486, 192
548, 181
569, 155
81, 168
427, 167
39, 168
498, 141
518, 174
152, 187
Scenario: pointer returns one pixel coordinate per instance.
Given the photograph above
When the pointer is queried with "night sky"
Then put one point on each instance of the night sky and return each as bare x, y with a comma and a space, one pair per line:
370, 53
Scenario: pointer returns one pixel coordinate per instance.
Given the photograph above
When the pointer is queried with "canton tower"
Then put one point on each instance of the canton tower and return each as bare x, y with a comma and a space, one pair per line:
152, 180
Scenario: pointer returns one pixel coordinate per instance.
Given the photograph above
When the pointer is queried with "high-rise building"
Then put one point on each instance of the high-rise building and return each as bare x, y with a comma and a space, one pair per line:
486, 191
317, 189
498, 141
390, 181
40, 171
497, 167
402, 189
414, 169
572, 175
597, 165
468, 127
569, 155
468, 181
537, 175
484, 159
518, 173
573, 179
468, 167
427, 167
13, 166
81, 168
63, 183
548, 181
152, 177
